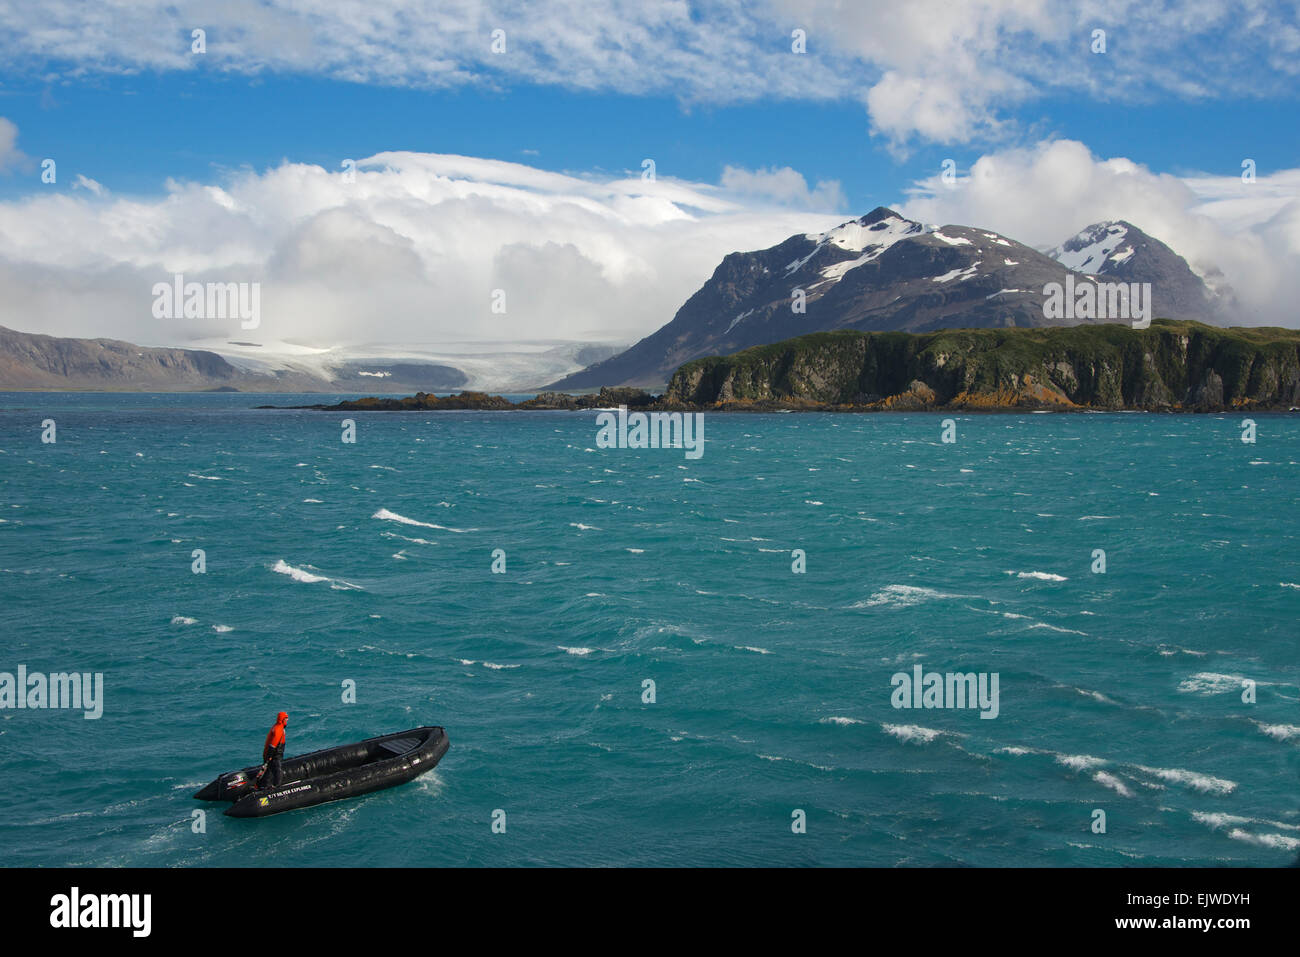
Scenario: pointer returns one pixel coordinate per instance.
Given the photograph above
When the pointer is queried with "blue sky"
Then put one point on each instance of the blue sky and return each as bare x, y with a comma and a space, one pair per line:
132, 133
518, 166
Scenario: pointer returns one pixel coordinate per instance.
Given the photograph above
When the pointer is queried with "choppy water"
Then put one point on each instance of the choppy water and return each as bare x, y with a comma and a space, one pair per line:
372, 562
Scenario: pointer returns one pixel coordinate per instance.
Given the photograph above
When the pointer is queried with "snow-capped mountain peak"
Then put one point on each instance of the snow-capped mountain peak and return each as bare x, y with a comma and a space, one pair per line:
869, 237
1097, 249
1121, 252
887, 272
881, 226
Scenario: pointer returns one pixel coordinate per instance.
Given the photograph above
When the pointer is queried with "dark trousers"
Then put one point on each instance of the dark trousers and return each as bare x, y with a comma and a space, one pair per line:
273, 774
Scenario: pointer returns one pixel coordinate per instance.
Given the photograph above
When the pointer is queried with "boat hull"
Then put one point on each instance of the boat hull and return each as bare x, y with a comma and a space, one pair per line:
333, 773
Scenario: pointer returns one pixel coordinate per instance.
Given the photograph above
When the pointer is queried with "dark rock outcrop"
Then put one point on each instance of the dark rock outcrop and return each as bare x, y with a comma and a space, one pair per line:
605, 399
1171, 366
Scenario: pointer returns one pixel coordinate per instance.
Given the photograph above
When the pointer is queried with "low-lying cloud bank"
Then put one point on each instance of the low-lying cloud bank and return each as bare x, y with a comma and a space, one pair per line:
425, 248
407, 248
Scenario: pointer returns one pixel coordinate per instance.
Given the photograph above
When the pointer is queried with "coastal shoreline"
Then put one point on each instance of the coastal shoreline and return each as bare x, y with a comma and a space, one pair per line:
602, 402
1170, 366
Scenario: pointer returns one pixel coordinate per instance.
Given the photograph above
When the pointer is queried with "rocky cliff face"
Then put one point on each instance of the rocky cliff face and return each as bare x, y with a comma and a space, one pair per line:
1170, 366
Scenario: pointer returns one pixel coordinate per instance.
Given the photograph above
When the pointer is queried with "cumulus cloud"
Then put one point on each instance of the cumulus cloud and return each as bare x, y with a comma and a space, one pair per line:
86, 183
947, 72
409, 249
10, 155
786, 187
929, 69
944, 68
1041, 195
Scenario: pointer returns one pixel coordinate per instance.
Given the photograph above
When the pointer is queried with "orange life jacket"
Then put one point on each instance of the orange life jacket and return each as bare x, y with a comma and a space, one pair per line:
274, 746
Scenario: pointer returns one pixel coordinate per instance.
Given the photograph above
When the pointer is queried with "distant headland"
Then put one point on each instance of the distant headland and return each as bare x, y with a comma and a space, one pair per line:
1171, 366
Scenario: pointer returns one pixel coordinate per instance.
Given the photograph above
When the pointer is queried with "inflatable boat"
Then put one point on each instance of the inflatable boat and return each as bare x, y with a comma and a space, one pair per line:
332, 774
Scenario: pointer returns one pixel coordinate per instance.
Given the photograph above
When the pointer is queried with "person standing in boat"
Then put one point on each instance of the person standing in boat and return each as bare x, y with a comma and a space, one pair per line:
273, 753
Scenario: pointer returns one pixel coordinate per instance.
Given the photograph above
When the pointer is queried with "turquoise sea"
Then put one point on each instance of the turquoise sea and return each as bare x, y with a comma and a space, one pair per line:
1127, 692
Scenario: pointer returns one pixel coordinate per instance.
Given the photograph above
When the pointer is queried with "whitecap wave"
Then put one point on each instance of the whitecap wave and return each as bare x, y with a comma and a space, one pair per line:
302, 575
1218, 819
807, 764
1057, 628
415, 541
1205, 783
1111, 781
1080, 762
1209, 682
297, 574
1279, 841
1094, 695
911, 733
903, 596
1279, 732
385, 515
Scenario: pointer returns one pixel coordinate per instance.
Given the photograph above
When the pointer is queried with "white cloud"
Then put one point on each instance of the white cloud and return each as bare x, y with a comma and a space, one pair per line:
410, 252
943, 68
10, 155
785, 187
930, 69
947, 72
1044, 194
86, 183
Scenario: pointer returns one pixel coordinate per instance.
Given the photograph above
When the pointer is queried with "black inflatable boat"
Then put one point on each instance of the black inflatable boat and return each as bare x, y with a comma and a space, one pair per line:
333, 773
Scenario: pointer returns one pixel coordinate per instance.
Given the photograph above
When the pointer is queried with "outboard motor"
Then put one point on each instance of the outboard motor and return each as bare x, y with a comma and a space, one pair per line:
228, 787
